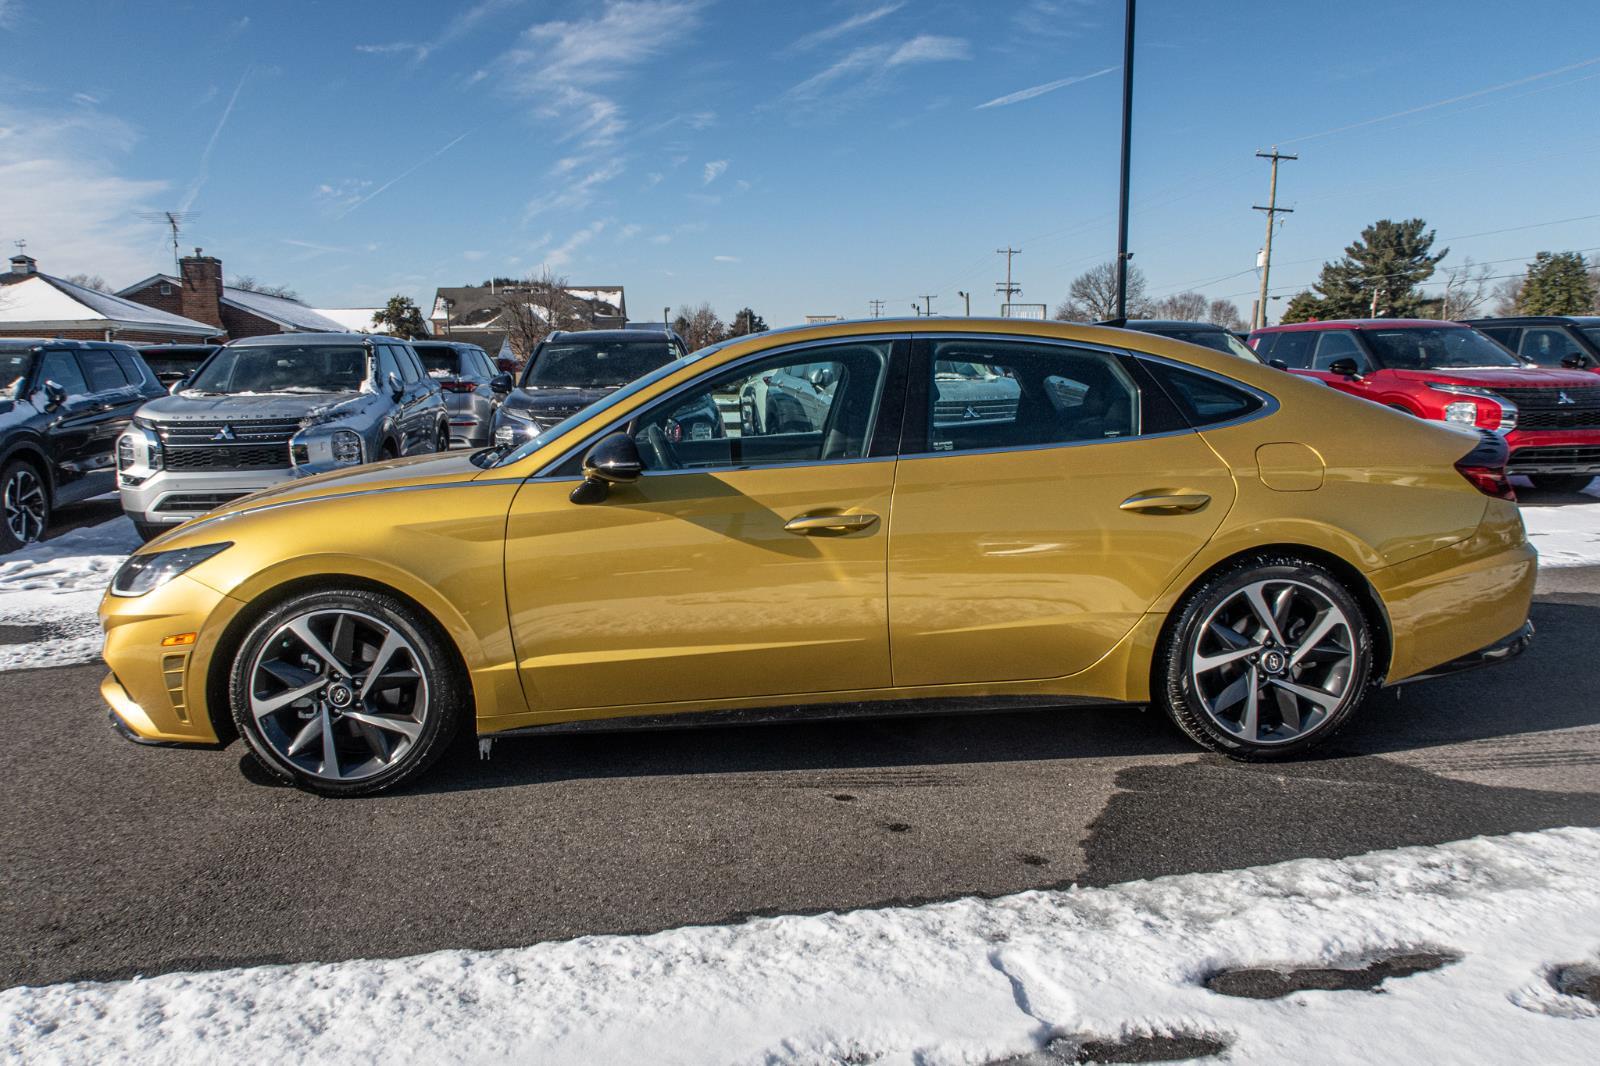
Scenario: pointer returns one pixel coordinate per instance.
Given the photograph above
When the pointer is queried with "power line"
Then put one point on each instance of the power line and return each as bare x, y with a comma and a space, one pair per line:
1259, 318
1007, 289
877, 308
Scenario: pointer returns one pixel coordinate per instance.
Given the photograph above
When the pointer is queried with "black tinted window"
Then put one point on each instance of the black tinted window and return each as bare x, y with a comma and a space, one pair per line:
410, 369
61, 368
1294, 349
102, 370
1203, 399
442, 362
1007, 394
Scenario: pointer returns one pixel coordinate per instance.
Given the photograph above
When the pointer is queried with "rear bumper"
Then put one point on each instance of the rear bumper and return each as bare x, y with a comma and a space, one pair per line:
1502, 650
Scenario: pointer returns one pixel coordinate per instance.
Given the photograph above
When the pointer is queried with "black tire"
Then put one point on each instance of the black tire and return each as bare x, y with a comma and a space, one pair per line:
1561, 482
1173, 681
442, 444
24, 504
434, 662
388, 451
148, 531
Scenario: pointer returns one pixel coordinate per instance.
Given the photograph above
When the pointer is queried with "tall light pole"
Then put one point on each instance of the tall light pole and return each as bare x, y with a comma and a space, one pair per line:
967, 296
1127, 138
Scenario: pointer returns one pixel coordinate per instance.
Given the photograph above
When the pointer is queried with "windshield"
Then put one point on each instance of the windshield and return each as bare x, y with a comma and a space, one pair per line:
437, 360
14, 364
1218, 340
595, 364
284, 368
1436, 348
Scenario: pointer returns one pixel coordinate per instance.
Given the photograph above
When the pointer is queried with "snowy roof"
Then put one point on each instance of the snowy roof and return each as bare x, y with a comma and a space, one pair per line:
355, 319
47, 303
291, 314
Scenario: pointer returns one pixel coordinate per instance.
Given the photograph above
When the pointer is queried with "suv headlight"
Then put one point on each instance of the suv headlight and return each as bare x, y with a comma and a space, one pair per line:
1465, 412
144, 573
346, 445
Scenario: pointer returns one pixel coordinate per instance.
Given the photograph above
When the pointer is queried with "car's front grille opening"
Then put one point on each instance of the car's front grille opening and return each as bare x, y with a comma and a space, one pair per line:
229, 457
196, 501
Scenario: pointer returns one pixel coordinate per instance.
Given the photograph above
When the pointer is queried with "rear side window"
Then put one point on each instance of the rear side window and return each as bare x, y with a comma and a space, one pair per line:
102, 370
1203, 399
134, 367
1294, 349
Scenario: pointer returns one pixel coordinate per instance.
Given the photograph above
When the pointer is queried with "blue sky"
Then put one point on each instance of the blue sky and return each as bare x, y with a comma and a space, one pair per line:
798, 158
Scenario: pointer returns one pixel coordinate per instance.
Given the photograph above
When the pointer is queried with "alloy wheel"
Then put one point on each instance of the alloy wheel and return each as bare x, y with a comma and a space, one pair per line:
1274, 661
24, 505
338, 694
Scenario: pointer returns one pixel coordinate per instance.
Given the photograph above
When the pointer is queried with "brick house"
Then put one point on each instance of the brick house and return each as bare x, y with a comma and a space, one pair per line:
200, 294
35, 304
477, 313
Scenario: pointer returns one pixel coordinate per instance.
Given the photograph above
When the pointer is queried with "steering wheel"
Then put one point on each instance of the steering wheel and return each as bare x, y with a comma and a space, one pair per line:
659, 449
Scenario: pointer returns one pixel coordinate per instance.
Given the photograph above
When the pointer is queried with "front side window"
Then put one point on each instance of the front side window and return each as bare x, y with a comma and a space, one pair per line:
815, 405
1004, 394
1436, 348
294, 368
14, 366
1293, 350
61, 368
410, 369
1334, 345
595, 364
1548, 346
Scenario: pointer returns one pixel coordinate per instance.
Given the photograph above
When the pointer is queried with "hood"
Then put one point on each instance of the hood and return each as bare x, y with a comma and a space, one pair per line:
549, 402
193, 407
1504, 378
15, 412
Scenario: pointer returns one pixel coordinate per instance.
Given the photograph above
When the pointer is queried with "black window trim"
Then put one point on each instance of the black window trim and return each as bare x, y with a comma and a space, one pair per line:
890, 405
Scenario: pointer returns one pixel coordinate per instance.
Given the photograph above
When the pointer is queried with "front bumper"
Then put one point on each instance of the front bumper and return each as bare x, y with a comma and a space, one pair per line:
1536, 452
170, 497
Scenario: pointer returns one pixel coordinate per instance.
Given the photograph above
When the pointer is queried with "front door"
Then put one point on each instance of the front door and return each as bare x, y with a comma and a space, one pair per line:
745, 562
1042, 504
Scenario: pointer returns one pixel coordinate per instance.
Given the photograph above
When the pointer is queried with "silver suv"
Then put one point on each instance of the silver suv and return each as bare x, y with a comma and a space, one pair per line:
265, 409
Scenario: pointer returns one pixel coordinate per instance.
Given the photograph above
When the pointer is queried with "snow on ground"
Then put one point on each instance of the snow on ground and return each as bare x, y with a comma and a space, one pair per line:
970, 981
1567, 534
52, 590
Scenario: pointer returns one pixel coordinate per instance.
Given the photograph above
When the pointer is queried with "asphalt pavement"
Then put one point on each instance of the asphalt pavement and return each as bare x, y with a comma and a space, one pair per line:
123, 860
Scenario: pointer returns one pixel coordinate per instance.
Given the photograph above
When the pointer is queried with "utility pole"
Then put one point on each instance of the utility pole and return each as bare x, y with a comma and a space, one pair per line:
1272, 209
927, 301
967, 296
877, 308
1006, 288
1123, 254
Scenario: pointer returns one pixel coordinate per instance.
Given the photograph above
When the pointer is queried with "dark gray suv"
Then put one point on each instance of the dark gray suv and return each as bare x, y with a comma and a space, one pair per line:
264, 409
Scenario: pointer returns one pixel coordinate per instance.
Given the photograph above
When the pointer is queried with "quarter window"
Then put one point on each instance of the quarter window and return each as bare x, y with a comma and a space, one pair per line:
1002, 394
1204, 400
811, 406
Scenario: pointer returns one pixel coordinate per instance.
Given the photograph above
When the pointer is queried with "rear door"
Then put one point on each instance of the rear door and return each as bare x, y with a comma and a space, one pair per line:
1046, 494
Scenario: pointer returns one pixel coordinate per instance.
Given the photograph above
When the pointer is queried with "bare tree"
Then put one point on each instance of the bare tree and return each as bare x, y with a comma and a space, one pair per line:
1508, 296
1180, 306
698, 326
1092, 296
1466, 290
250, 284
89, 281
1225, 313
531, 310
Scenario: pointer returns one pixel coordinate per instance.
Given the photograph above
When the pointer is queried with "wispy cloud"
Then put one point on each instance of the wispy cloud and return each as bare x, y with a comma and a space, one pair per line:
724, 259
452, 31
1039, 90
570, 195
403, 175
10, 13
236, 27
204, 173
86, 99
714, 170
869, 68
1047, 19
839, 29
562, 253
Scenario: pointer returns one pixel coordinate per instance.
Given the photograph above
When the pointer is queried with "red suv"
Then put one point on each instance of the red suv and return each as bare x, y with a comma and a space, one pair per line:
1448, 372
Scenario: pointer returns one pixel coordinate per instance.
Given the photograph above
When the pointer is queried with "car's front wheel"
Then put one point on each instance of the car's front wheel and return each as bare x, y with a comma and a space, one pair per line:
345, 693
1266, 659
24, 505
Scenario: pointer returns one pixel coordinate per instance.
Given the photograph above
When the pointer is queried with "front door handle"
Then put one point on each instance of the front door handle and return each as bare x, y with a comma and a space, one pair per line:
811, 524
1166, 502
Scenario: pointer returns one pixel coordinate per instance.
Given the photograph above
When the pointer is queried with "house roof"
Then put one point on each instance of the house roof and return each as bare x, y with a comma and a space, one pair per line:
47, 303
478, 306
279, 310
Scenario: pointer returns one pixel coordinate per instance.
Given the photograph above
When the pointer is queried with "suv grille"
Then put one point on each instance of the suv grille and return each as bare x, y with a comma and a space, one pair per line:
243, 444
1543, 408
951, 412
196, 501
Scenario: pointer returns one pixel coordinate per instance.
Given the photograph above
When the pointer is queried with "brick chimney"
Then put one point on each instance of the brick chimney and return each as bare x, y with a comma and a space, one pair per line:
23, 264
202, 288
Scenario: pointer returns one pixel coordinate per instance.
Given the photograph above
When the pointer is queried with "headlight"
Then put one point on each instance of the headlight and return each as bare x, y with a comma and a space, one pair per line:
124, 452
1464, 413
346, 448
144, 573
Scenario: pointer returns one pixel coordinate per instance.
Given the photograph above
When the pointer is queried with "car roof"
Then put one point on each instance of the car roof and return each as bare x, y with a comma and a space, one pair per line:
60, 342
267, 340
1366, 323
1534, 320
612, 334
432, 343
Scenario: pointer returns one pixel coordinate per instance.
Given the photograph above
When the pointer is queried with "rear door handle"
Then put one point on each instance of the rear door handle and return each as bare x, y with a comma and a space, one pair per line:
1166, 502
811, 524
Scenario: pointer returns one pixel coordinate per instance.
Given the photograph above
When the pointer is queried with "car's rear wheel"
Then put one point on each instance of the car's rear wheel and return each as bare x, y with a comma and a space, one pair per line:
24, 505
1561, 482
345, 693
1266, 659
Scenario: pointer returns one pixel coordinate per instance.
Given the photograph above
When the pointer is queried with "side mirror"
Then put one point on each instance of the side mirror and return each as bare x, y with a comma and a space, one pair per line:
397, 388
822, 377
613, 461
1277, 364
1576, 361
501, 383
54, 395
1346, 368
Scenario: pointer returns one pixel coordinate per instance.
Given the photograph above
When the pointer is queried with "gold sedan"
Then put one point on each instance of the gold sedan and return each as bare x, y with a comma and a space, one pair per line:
876, 517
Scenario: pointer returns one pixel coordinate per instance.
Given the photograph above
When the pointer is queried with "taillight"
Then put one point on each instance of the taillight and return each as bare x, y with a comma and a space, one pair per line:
1485, 467
458, 386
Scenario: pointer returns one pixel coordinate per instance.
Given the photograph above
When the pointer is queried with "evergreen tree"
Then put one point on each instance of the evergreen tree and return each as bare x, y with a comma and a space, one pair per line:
402, 318
1303, 307
1380, 273
1558, 283
746, 322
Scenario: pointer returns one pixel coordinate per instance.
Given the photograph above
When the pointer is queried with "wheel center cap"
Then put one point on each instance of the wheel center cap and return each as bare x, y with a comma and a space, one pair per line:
340, 696
1274, 662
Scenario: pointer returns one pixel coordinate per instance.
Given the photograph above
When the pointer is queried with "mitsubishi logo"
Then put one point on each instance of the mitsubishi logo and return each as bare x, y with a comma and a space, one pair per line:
226, 433
968, 415
1564, 398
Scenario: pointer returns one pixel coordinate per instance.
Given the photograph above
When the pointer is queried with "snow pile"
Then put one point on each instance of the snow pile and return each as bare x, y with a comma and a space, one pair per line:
1566, 534
50, 592
971, 981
